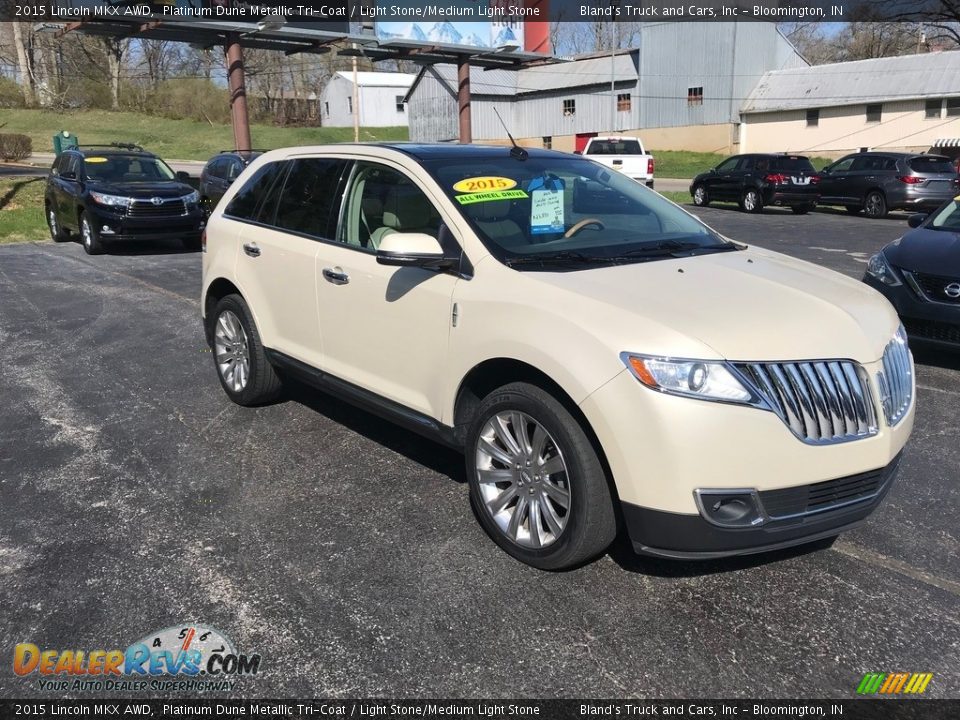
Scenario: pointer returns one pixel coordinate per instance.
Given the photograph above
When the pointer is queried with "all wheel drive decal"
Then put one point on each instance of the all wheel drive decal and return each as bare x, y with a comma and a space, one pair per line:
490, 196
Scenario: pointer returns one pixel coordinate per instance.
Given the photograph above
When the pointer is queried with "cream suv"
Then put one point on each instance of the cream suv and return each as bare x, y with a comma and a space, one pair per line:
601, 357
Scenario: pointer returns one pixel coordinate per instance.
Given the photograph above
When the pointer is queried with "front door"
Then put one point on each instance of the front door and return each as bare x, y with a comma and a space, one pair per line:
835, 183
385, 329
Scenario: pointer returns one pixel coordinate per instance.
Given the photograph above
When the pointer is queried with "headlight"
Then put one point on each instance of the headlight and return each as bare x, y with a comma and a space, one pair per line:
110, 200
704, 379
192, 199
879, 268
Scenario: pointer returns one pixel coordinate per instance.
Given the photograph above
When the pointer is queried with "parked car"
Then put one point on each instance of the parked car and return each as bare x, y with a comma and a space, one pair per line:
120, 192
877, 182
920, 275
220, 172
755, 181
594, 361
624, 154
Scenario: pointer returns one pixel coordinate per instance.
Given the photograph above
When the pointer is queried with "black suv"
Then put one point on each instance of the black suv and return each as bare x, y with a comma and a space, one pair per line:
120, 192
220, 172
757, 180
877, 182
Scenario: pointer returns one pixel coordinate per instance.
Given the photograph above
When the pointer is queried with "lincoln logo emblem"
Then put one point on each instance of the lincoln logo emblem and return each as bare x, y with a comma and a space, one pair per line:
952, 290
156, 201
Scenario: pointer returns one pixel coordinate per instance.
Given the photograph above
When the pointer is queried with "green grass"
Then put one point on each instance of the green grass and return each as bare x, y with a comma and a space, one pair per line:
680, 197
684, 164
171, 139
21, 209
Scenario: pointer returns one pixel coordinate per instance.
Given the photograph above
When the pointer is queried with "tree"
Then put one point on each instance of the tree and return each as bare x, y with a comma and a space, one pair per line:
25, 64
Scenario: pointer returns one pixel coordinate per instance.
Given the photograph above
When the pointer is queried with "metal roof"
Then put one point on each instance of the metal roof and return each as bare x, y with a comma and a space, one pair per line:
379, 79
858, 82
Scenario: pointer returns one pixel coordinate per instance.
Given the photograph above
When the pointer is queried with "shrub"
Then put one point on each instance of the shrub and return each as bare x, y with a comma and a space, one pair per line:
15, 147
11, 95
190, 99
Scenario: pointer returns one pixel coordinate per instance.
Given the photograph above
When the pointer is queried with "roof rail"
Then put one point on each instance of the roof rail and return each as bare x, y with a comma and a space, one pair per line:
260, 150
122, 146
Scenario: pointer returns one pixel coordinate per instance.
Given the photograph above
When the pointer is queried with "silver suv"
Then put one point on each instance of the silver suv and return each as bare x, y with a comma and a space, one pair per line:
877, 182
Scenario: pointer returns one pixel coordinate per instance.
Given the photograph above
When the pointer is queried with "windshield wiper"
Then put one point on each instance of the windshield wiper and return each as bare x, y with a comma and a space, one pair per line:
675, 248
560, 257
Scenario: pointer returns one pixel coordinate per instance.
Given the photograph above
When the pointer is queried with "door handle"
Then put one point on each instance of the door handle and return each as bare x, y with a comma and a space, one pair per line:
336, 276
251, 249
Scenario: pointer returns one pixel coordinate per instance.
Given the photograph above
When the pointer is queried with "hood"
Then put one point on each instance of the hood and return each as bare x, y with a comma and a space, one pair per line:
935, 252
161, 188
745, 305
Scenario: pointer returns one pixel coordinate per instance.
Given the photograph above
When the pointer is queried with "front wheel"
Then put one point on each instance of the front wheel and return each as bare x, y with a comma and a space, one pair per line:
701, 198
752, 201
536, 482
90, 237
875, 205
245, 374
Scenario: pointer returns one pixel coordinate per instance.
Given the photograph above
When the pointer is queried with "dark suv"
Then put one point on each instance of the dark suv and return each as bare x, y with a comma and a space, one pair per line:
120, 192
221, 171
757, 180
877, 182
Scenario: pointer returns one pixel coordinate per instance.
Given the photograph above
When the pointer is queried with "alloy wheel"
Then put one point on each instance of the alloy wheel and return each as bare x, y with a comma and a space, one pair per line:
699, 195
750, 200
231, 351
523, 479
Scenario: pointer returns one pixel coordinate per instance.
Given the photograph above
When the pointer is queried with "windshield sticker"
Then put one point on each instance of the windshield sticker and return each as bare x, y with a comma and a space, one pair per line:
546, 205
490, 196
95, 159
480, 184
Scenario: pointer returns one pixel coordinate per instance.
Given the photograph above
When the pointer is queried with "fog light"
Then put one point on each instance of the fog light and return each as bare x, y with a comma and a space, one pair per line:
106, 230
730, 508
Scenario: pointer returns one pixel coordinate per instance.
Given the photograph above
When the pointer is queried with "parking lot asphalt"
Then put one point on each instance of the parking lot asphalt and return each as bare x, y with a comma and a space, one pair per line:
134, 497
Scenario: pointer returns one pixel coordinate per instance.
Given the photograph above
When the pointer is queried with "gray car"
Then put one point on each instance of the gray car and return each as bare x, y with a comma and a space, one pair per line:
877, 182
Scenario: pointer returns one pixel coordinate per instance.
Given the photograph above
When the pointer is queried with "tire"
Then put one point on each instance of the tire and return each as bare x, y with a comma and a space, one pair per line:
801, 209
751, 201
89, 237
57, 233
875, 205
565, 536
245, 374
701, 197
853, 209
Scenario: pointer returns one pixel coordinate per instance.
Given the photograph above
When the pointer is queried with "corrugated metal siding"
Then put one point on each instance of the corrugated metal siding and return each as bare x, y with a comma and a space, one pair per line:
852, 83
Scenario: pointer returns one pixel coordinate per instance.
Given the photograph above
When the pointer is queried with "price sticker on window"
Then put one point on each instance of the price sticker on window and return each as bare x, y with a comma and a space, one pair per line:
546, 211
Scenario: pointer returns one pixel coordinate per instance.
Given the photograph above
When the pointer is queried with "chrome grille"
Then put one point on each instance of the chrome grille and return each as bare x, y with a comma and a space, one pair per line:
821, 402
934, 287
895, 380
168, 207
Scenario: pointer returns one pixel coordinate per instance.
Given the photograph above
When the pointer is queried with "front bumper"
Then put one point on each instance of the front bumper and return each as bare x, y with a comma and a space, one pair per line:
679, 536
931, 322
119, 226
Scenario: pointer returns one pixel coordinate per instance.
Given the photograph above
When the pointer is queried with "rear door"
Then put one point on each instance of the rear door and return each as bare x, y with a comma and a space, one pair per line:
797, 175
937, 177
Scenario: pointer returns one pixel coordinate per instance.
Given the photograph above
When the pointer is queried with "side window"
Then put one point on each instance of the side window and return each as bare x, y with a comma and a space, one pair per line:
72, 165
383, 201
729, 164
761, 164
843, 165
310, 201
863, 163
246, 203
233, 168
216, 168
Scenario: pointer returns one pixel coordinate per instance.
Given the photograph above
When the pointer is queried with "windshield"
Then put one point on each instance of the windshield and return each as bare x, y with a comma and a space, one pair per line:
568, 210
614, 147
126, 168
947, 218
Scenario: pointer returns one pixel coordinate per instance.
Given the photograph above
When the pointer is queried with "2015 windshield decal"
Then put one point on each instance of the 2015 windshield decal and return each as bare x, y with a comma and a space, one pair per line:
481, 184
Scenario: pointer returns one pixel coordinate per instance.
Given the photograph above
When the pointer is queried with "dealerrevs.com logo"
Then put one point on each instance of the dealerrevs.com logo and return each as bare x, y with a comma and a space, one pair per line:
189, 657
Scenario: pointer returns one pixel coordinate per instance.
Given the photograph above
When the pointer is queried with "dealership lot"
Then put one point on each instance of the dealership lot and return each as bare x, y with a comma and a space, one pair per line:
134, 497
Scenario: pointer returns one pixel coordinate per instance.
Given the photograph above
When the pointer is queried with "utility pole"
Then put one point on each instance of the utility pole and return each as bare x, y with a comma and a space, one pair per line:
238, 92
356, 99
463, 99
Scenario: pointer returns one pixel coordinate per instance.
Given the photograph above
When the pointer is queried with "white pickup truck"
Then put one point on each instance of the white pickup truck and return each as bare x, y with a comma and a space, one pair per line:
624, 154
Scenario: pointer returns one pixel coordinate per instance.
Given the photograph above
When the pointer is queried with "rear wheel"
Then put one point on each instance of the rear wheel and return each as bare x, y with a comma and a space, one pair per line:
90, 237
56, 230
802, 209
875, 204
701, 198
752, 201
536, 482
245, 374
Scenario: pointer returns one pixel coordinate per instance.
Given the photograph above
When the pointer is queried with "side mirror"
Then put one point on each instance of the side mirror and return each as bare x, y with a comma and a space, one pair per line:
916, 220
183, 176
578, 152
413, 250
69, 175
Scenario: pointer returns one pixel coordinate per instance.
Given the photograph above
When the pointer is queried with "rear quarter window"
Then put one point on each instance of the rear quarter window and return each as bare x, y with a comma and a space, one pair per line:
931, 165
246, 204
